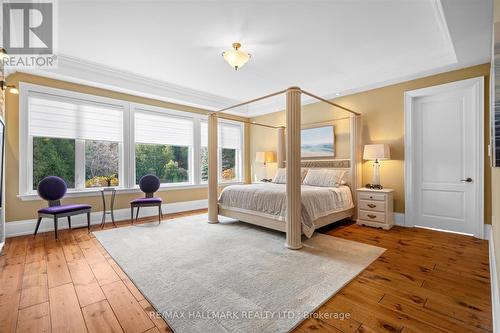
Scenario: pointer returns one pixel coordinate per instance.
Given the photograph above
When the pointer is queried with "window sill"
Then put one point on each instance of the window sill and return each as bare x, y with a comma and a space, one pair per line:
96, 192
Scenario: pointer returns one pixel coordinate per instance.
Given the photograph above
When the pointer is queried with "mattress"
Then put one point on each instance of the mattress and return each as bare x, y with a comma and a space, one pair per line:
269, 200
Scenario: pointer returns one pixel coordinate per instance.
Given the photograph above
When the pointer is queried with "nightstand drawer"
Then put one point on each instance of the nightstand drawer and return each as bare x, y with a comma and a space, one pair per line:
372, 216
372, 205
371, 196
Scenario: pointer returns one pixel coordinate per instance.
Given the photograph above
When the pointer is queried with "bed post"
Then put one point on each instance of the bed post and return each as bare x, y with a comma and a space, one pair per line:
281, 151
356, 155
293, 182
213, 214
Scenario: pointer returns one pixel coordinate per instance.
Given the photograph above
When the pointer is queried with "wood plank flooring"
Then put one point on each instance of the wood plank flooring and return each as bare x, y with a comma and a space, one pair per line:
426, 281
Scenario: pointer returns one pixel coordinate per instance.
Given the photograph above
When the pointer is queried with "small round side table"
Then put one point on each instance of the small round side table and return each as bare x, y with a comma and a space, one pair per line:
105, 211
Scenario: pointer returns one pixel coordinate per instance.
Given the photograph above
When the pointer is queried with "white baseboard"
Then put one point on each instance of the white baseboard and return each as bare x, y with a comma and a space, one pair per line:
495, 300
487, 232
399, 219
27, 227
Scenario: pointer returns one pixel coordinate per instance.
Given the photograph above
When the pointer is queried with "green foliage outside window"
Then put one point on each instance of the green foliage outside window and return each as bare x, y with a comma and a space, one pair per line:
228, 164
204, 164
169, 163
53, 157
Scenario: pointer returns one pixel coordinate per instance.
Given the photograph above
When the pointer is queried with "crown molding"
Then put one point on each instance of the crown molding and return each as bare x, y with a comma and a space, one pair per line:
85, 72
81, 71
440, 17
267, 109
445, 31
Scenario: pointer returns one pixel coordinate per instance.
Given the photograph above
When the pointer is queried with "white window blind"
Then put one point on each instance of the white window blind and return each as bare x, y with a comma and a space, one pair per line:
165, 129
74, 119
229, 135
204, 133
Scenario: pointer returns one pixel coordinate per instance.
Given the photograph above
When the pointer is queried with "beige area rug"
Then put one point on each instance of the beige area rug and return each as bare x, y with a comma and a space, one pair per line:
232, 276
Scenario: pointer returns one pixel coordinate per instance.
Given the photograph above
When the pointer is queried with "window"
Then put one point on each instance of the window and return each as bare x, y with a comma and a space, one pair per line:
229, 138
102, 160
77, 140
53, 157
230, 151
163, 146
94, 142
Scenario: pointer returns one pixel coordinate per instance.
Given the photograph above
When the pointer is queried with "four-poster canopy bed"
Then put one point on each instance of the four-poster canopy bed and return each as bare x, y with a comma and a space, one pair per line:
289, 157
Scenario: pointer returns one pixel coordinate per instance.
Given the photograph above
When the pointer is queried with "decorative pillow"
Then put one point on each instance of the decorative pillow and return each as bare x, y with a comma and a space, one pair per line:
324, 177
280, 177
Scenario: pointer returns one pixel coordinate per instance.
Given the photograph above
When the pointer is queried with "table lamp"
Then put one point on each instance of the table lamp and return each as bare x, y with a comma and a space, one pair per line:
265, 157
375, 153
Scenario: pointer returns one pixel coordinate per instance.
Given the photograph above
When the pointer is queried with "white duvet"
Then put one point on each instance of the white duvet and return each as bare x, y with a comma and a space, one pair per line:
269, 200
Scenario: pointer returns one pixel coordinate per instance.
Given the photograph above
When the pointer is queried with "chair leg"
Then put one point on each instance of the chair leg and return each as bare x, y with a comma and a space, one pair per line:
37, 226
88, 221
103, 219
113, 218
137, 213
159, 214
69, 221
132, 214
55, 226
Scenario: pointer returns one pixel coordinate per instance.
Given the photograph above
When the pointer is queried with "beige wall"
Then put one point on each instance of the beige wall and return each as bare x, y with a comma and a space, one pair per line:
382, 112
495, 185
16, 209
265, 139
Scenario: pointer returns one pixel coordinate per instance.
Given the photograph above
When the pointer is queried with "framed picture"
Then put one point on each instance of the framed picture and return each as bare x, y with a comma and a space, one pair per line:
495, 98
317, 142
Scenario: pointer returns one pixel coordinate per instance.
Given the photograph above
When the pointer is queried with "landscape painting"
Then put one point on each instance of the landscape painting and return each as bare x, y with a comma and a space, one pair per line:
317, 142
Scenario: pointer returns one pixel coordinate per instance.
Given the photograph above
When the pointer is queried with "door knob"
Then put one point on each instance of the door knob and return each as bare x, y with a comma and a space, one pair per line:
466, 180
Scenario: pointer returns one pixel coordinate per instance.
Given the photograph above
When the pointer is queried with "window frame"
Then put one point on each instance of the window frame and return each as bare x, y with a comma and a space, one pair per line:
167, 112
26, 141
127, 163
239, 158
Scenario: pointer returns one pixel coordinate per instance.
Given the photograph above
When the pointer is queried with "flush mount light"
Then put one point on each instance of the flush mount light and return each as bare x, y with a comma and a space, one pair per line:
235, 57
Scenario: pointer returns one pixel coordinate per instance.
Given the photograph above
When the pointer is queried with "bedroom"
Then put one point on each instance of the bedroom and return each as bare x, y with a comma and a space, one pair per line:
132, 151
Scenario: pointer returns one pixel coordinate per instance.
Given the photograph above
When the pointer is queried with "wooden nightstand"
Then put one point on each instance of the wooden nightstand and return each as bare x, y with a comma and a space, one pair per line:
375, 208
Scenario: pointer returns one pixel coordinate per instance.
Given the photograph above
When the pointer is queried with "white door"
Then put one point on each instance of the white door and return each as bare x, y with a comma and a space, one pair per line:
444, 145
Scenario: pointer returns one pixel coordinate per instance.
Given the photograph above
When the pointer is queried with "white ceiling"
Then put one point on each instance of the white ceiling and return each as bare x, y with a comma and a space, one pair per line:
172, 49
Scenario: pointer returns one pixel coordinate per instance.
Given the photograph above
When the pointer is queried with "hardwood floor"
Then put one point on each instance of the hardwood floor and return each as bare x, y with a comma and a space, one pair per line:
426, 281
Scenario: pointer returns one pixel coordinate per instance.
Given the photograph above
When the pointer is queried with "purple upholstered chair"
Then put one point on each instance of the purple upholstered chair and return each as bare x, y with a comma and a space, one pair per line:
148, 184
52, 189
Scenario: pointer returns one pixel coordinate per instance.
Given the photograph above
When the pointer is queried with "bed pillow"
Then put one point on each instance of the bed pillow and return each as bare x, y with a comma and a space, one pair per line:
324, 177
280, 177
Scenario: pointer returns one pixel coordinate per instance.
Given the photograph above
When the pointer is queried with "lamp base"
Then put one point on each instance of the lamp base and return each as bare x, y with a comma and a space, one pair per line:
374, 186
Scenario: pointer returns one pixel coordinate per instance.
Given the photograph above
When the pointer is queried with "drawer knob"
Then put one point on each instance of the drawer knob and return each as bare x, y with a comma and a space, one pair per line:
372, 216
372, 205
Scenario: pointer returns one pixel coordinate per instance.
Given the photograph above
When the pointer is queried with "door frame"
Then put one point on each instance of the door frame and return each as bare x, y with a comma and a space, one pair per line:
409, 97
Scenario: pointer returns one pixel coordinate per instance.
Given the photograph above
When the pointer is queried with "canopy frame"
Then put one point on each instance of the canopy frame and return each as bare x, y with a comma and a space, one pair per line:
288, 147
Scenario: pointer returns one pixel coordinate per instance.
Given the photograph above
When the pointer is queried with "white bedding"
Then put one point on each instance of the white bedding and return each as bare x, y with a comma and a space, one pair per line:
269, 200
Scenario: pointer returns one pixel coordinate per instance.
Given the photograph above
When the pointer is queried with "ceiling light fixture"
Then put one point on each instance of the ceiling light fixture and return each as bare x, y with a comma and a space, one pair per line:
12, 88
235, 57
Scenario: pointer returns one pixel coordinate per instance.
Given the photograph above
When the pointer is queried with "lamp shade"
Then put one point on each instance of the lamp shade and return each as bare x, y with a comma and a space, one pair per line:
260, 156
376, 152
235, 57
265, 157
